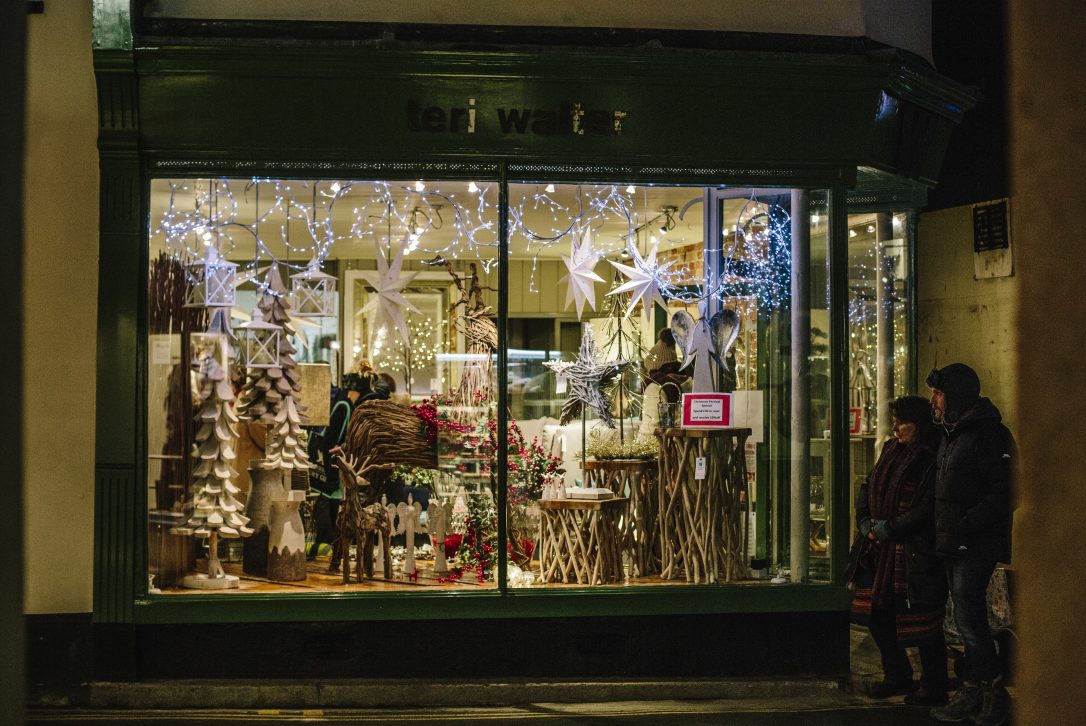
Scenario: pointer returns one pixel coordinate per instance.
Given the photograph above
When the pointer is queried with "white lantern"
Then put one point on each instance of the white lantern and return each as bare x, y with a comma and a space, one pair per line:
260, 342
210, 282
314, 292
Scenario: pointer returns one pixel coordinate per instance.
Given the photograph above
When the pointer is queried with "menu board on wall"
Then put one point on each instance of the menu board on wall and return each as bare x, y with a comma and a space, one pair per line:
992, 240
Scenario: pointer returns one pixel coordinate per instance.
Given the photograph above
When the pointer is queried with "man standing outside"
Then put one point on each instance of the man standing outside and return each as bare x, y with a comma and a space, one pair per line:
972, 530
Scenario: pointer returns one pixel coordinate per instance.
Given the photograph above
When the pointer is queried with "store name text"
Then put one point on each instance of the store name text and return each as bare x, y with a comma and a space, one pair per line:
568, 118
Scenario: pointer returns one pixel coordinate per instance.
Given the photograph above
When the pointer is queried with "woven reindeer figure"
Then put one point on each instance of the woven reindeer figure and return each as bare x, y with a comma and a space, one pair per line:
356, 521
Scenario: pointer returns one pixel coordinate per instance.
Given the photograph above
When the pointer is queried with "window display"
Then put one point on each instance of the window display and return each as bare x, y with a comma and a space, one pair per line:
342, 433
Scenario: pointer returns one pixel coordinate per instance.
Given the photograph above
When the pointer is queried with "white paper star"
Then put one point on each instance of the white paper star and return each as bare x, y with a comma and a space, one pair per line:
388, 299
643, 282
581, 280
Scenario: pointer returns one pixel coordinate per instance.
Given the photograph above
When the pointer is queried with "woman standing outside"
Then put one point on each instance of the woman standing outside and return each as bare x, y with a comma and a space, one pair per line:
900, 584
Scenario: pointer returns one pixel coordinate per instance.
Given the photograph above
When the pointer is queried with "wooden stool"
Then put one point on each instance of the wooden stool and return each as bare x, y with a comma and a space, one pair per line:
640, 527
701, 531
580, 541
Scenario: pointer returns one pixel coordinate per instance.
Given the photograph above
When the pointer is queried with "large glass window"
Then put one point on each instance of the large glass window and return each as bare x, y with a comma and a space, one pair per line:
878, 347
320, 384
323, 403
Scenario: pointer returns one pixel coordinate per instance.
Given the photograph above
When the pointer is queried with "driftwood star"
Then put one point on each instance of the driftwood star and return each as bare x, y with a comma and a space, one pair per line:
589, 381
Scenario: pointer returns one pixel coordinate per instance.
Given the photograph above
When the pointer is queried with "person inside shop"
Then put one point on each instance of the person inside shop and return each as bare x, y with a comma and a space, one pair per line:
974, 474
899, 585
663, 381
323, 445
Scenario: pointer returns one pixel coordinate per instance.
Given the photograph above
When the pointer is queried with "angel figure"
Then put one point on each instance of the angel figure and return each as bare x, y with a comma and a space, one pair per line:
705, 343
409, 513
435, 521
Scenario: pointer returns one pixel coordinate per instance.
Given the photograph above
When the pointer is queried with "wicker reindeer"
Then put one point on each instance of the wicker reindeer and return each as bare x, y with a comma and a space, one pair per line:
380, 436
357, 520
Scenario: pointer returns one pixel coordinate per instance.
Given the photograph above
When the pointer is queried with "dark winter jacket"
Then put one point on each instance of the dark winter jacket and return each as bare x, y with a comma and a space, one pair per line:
914, 529
973, 478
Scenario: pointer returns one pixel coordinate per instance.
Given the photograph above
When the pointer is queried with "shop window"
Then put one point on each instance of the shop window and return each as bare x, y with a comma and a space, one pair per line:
878, 348
607, 487
621, 299
397, 320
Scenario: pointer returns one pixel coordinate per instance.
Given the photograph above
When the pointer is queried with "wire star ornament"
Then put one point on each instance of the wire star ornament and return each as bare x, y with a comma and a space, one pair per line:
581, 280
388, 299
643, 281
589, 380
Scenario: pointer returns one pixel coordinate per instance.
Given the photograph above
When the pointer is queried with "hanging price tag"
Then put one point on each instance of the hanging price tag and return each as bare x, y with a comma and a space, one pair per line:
699, 467
559, 385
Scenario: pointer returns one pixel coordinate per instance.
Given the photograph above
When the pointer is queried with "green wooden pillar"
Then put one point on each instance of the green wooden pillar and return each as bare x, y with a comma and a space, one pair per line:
119, 545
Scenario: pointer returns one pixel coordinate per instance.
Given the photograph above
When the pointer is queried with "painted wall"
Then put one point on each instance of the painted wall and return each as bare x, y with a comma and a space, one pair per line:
900, 23
962, 320
1047, 124
61, 279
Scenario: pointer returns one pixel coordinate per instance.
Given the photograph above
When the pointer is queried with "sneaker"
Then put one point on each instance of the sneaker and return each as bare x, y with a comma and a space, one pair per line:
996, 706
964, 706
926, 697
886, 689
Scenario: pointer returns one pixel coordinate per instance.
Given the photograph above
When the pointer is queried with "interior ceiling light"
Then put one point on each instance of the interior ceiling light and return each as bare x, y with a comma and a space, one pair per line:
630, 189
549, 189
473, 187
852, 233
420, 187
870, 228
336, 187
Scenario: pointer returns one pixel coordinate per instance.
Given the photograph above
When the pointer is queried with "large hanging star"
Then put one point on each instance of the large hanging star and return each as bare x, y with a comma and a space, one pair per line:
589, 380
388, 299
643, 282
581, 280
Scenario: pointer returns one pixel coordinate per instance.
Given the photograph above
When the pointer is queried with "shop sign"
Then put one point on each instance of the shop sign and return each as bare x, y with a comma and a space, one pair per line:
707, 410
572, 118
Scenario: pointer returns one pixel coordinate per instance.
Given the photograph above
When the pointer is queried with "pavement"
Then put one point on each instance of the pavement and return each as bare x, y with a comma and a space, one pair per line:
571, 701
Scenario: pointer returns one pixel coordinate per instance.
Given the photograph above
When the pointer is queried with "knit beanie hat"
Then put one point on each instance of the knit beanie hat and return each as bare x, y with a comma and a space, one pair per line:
961, 386
660, 354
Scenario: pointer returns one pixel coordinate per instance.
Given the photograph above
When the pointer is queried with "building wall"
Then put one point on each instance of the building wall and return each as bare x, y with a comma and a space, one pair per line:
1047, 124
962, 320
900, 23
61, 292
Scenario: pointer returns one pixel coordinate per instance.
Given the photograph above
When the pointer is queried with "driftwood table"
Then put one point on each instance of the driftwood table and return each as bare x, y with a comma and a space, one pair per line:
580, 540
636, 479
701, 532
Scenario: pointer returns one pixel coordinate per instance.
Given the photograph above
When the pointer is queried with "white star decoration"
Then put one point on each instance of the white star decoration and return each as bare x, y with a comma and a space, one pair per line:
643, 282
388, 299
581, 280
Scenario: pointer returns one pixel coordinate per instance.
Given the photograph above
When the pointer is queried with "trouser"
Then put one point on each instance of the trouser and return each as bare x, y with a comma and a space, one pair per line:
895, 661
968, 580
325, 513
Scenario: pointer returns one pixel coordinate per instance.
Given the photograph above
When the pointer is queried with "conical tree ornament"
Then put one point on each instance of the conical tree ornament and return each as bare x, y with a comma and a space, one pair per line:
216, 512
271, 394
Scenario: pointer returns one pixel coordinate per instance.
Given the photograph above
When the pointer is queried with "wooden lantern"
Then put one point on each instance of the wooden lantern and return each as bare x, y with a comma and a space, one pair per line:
210, 282
314, 292
260, 342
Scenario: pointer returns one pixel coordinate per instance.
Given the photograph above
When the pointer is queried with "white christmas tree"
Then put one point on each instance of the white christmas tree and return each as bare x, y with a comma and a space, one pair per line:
270, 394
216, 511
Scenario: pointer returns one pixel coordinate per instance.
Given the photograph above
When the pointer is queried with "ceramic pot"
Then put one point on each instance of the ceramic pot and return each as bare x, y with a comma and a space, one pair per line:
267, 485
286, 539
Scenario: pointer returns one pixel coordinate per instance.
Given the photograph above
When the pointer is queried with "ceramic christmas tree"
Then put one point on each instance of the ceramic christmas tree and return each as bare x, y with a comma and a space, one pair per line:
216, 511
270, 397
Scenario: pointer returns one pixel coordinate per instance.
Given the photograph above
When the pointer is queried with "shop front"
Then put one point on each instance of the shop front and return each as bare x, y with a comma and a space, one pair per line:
568, 357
